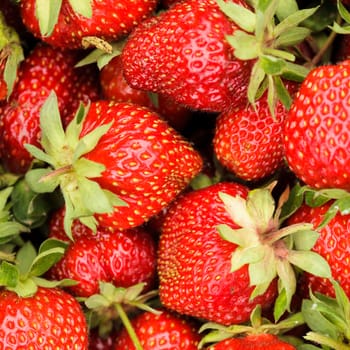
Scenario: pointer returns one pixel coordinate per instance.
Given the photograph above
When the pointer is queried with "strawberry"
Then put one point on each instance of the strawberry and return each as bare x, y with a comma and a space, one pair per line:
115, 87
257, 341
44, 69
160, 331
316, 136
332, 244
50, 316
182, 52
194, 262
215, 245
249, 141
137, 164
97, 342
123, 258
107, 20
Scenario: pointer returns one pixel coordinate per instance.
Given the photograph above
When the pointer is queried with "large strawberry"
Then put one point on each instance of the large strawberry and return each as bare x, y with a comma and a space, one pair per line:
316, 133
43, 70
182, 52
249, 141
222, 249
120, 163
69, 23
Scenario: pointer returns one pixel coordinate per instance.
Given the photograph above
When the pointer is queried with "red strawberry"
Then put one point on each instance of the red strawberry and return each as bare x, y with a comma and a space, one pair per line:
43, 70
123, 258
249, 141
183, 53
51, 317
316, 133
253, 341
132, 155
332, 244
115, 87
109, 20
194, 261
97, 342
160, 331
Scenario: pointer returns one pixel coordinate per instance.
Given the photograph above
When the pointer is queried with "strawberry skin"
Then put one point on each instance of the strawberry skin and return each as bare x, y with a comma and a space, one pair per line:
249, 141
332, 244
160, 331
50, 318
110, 21
251, 342
147, 163
194, 262
183, 53
123, 258
316, 133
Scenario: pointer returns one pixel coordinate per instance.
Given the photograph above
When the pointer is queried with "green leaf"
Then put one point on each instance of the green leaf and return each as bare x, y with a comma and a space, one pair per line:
256, 81
88, 168
282, 92
311, 262
11, 67
286, 8
40, 181
292, 37
243, 17
9, 274
45, 260
89, 141
243, 256
246, 47
295, 72
53, 136
272, 65
93, 196
82, 7
39, 154
281, 305
305, 240
47, 13
25, 257
242, 237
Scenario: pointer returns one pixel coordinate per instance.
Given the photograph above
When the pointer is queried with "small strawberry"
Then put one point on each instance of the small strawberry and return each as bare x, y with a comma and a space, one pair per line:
43, 70
215, 246
332, 244
123, 258
118, 164
182, 52
69, 23
249, 141
36, 313
316, 132
165, 330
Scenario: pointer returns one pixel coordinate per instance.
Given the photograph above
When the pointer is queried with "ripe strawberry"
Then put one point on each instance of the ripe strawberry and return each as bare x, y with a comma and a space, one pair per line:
109, 20
316, 133
50, 316
98, 342
44, 69
116, 88
194, 261
123, 258
332, 244
160, 331
137, 164
183, 53
249, 141
253, 341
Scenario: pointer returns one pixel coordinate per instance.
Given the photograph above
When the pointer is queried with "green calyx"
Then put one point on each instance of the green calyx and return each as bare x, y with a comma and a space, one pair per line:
63, 150
11, 52
47, 12
256, 325
269, 249
25, 273
268, 35
328, 319
115, 304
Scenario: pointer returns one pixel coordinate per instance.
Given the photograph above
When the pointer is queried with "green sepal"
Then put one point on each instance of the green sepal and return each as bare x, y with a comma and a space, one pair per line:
45, 260
305, 239
246, 47
242, 237
47, 13
9, 275
243, 17
42, 282
243, 256
311, 262
82, 7
42, 180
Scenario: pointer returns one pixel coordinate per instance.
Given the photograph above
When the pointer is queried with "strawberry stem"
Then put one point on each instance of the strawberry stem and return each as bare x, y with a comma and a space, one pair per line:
128, 326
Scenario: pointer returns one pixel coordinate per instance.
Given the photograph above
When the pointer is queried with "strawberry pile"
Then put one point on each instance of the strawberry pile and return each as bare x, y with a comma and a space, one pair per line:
174, 174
